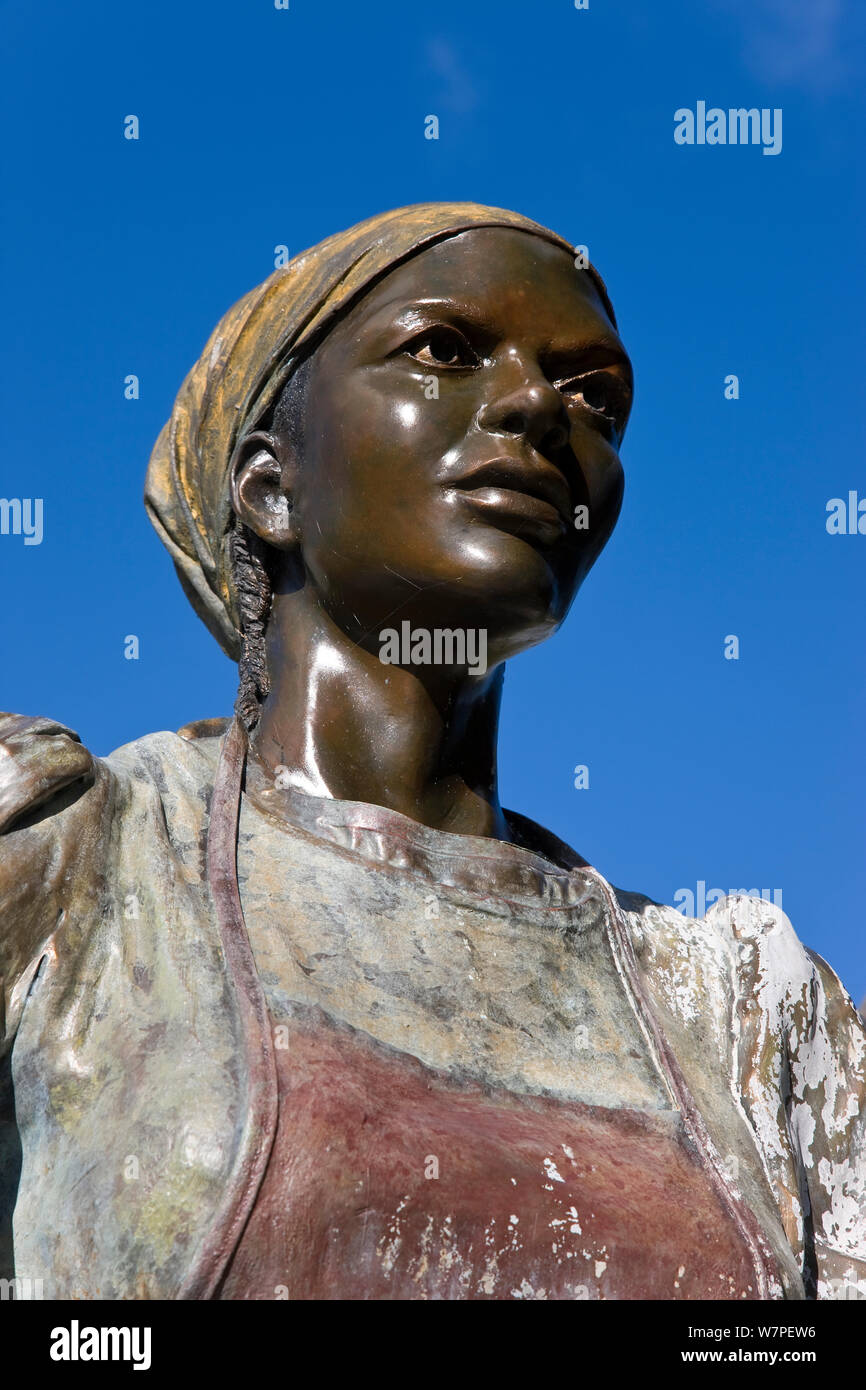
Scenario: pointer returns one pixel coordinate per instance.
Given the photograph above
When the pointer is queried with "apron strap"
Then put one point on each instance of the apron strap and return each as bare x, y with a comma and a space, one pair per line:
260, 1101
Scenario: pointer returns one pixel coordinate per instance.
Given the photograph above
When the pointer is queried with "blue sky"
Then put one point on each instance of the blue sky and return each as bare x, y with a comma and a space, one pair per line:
262, 127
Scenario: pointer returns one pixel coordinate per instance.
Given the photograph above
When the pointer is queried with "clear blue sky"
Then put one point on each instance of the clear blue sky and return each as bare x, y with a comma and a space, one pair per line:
261, 127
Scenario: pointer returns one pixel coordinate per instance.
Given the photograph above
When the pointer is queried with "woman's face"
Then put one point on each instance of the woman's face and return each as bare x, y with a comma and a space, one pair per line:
454, 422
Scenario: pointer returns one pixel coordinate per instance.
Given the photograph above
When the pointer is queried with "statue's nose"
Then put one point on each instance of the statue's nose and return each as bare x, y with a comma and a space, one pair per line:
535, 409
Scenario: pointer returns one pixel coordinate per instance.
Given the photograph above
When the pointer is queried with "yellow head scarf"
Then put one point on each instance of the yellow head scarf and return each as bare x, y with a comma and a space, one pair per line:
243, 369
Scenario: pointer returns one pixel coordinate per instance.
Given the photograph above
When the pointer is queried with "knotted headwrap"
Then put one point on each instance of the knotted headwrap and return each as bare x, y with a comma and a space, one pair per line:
243, 369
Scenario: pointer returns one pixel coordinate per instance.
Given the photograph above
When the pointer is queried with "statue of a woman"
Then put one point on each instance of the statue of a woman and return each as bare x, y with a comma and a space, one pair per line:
293, 1007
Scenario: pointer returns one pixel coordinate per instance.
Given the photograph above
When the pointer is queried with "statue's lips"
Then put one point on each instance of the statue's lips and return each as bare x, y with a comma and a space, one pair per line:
520, 494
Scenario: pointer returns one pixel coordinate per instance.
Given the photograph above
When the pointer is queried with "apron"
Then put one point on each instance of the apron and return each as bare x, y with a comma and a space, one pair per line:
472, 1100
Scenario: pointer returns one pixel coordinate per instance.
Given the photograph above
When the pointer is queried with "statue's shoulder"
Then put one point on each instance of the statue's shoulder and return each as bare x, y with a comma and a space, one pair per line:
734, 928
45, 768
69, 819
743, 951
40, 760
176, 764
670, 945
161, 783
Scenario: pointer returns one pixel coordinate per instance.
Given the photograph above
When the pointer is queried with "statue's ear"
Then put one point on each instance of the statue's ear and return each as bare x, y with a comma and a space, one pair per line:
261, 489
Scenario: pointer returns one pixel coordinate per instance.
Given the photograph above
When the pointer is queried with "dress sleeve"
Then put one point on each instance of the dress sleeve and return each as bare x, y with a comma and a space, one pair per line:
802, 1064
46, 817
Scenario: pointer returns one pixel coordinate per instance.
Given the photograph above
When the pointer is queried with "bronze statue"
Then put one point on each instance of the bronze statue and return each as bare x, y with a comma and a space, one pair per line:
294, 1007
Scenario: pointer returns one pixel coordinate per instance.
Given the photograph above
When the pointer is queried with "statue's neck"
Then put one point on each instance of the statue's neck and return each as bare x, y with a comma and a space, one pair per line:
339, 723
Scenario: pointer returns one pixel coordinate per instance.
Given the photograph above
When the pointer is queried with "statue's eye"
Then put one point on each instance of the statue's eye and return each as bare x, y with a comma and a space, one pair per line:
603, 393
442, 347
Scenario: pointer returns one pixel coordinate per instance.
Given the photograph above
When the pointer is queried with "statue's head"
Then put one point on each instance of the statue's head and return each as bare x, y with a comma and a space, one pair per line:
432, 408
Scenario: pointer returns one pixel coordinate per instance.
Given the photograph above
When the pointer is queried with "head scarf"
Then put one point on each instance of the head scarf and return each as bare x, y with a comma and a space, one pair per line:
243, 369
